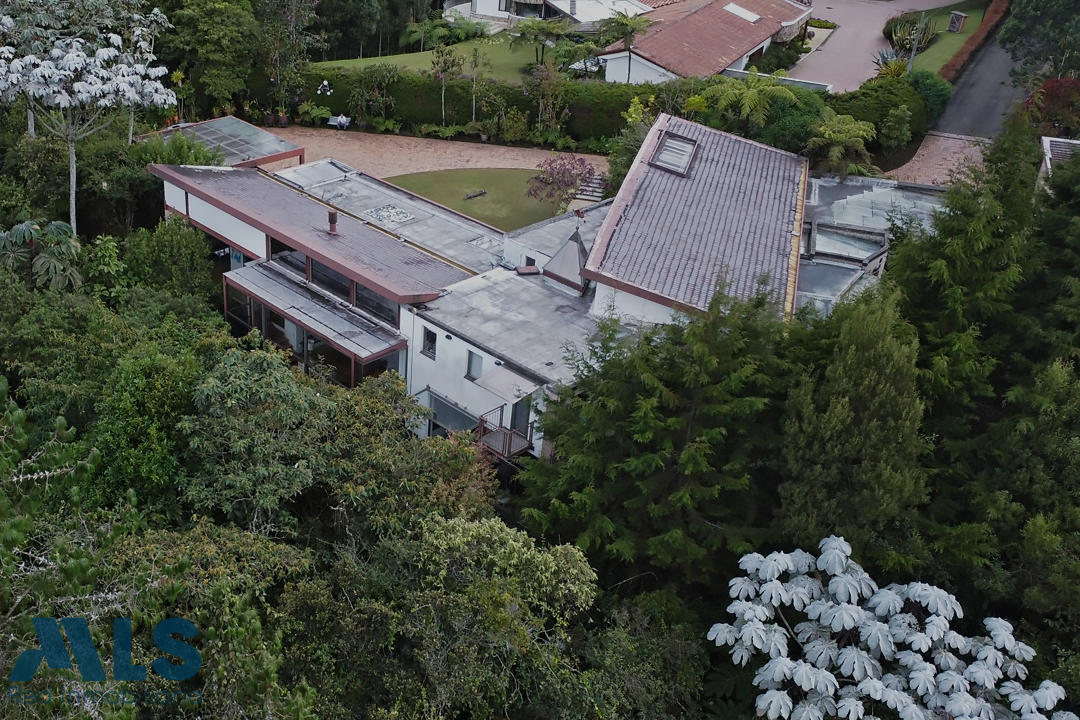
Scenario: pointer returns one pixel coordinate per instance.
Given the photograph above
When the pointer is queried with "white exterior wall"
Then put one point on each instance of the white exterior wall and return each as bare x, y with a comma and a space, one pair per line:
489, 8
625, 304
514, 253
445, 374
235, 232
742, 63
176, 198
641, 70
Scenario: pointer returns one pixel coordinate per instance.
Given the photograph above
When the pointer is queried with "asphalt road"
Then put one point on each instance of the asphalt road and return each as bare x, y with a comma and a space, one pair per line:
982, 96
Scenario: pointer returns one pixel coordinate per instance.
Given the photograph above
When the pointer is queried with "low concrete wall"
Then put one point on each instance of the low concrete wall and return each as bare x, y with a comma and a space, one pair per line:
804, 84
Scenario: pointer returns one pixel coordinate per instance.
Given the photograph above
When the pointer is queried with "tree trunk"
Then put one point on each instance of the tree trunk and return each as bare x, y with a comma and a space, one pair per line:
131, 125
629, 59
474, 97
71, 184
443, 100
30, 123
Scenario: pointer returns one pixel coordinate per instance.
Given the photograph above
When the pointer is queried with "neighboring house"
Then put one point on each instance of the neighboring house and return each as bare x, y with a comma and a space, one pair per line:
587, 13
1057, 150
699, 208
242, 144
701, 38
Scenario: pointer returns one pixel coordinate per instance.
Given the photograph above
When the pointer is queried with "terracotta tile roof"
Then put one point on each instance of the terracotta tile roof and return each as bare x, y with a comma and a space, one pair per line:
735, 216
692, 38
660, 3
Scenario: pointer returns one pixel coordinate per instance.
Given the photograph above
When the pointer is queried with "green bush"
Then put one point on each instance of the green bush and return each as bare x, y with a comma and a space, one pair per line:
934, 90
596, 107
875, 98
779, 57
791, 126
824, 24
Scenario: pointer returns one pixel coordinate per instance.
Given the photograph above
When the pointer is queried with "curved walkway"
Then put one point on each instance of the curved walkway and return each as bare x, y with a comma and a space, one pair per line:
847, 59
389, 155
939, 156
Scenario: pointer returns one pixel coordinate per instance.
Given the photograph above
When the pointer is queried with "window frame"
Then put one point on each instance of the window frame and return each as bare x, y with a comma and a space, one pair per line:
469, 375
662, 145
428, 349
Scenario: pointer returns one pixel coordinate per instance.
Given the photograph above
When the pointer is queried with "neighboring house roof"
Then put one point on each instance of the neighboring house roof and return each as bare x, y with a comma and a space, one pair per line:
1058, 150
368, 255
699, 38
242, 144
527, 320
735, 216
455, 237
660, 3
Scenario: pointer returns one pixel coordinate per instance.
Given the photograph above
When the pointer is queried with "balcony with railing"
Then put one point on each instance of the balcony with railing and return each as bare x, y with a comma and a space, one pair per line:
504, 442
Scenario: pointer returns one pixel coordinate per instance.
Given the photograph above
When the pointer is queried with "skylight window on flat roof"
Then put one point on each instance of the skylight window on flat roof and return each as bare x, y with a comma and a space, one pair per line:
674, 153
742, 12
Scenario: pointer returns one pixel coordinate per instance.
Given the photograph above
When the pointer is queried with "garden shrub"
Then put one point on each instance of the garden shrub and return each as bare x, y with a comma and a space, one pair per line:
993, 17
1055, 106
791, 126
875, 98
779, 57
823, 24
595, 107
934, 90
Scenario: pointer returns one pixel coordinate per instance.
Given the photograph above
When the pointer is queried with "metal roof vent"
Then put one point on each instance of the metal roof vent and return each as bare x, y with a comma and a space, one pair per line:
333, 222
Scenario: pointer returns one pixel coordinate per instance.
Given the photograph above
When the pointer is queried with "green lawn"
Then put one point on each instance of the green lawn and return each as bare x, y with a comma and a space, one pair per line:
947, 43
505, 205
505, 65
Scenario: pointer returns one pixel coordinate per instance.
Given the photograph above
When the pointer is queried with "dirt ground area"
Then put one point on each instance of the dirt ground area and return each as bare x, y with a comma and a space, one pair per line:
940, 155
389, 155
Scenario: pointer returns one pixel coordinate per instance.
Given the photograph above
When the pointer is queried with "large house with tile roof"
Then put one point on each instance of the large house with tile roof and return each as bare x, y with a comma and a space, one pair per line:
702, 38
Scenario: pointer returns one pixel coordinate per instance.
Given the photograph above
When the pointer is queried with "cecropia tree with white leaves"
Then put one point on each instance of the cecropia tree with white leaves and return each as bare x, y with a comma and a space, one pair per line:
76, 85
861, 651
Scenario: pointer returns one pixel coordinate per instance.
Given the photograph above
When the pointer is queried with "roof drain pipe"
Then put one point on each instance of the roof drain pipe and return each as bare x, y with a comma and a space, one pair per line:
333, 222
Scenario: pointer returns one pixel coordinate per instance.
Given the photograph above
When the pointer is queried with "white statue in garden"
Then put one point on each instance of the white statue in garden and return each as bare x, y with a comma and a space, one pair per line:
860, 649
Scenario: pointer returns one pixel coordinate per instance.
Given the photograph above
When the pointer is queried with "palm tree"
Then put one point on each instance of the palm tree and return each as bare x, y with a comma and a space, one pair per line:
749, 99
625, 27
537, 32
430, 31
839, 145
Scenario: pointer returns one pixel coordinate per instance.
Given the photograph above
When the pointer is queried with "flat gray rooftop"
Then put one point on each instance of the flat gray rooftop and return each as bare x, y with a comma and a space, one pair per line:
239, 142
548, 236
867, 202
340, 326
525, 319
437, 229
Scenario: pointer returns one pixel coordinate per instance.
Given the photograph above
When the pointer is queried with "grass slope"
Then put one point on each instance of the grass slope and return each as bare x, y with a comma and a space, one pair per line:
947, 43
505, 65
505, 205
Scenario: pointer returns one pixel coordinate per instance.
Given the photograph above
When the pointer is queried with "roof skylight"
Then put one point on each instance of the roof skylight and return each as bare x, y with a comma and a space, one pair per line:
742, 12
674, 153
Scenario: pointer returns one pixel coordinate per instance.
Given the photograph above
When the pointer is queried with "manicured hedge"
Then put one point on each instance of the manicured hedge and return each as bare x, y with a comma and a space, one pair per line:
993, 17
595, 107
875, 98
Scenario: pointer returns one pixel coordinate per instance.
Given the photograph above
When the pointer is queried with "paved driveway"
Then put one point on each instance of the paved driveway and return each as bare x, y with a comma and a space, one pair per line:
982, 96
846, 61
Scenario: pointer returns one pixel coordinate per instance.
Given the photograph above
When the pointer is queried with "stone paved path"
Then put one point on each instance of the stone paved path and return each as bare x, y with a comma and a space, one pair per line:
847, 59
389, 155
939, 155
